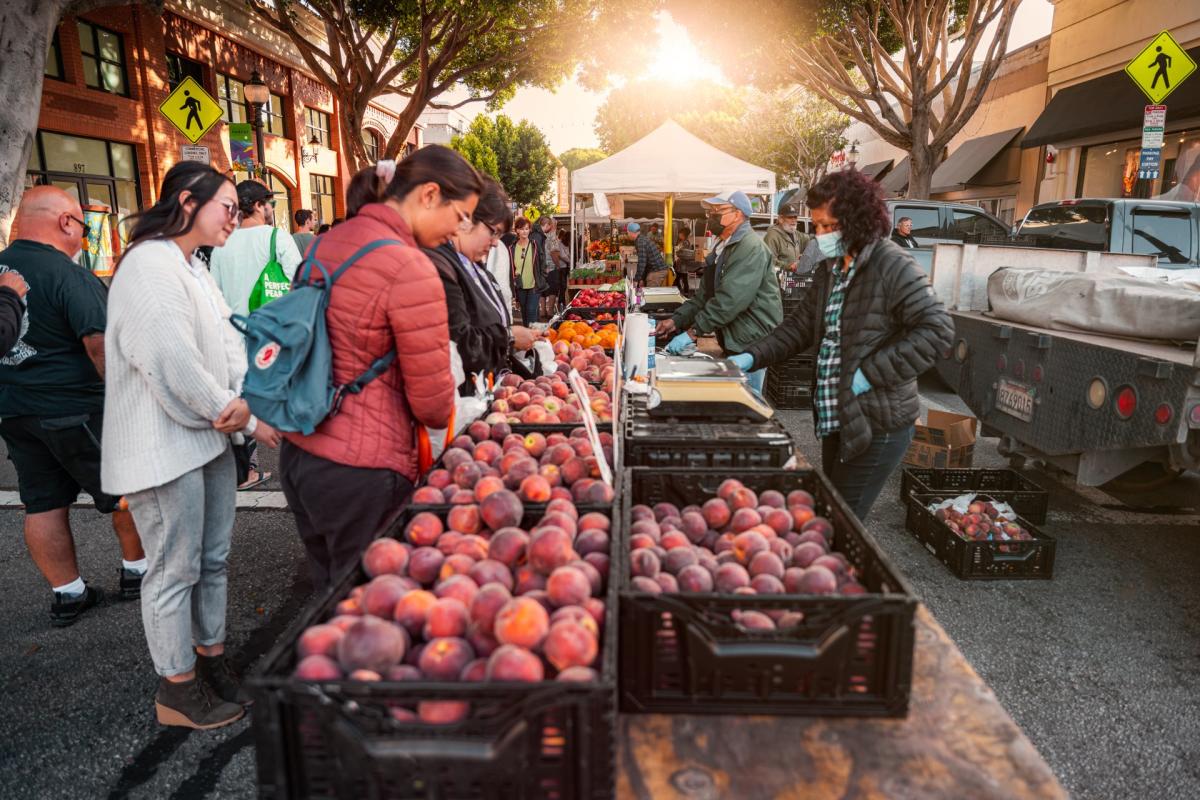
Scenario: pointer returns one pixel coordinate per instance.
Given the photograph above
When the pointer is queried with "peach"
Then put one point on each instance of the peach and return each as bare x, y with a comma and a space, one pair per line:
463, 497
318, 668
695, 578
576, 614
428, 495
559, 454
744, 519
568, 586
779, 520
747, 545
728, 487
535, 444
730, 577
667, 582
592, 540
491, 572
569, 644
817, 580
473, 546
513, 663
852, 587
533, 415
349, 606
578, 675
694, 526
460, 587
716, 513
772, 498
507, 546
487, 485
381, 595
834, 562
646, 527
753, 620
522, 621
806, 553
552, 475
563, 505
743, 498
448, 616
424, 529
465, 518
487, 451
501, 509
474, 672
519, 400
510, 459
535, 489
412, 610
550, 548
448, 541
819, 524
599, 562
486, 604
444, 659
466, 475
501, 430
801, 516
442, 712
679, 558
438, 478
372, 643
455, 564
598, 493
319, 640
596, 609
766, 584
766, 563
343, 621
528, 580
643, 562
674, 539
664, 510
594, 520
479, 430
799, 497
556, 519
385, 556
402, 672
782, 549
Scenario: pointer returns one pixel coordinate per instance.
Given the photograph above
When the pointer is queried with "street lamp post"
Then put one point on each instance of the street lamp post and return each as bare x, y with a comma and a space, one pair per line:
258, 95
852, 156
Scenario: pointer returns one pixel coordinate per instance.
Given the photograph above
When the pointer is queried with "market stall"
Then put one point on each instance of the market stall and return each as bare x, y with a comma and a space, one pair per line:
667, 165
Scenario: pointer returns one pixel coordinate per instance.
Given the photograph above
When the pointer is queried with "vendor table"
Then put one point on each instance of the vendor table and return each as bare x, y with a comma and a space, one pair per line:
957, 742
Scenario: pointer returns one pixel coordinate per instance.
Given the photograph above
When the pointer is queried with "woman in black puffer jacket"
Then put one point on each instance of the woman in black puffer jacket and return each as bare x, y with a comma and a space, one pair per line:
877, 325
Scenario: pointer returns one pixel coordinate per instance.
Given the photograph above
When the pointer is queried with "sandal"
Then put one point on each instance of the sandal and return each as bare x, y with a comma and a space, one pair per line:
250, 483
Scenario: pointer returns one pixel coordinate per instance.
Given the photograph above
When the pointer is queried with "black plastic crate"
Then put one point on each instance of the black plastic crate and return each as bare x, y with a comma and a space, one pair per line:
680, 653
789, 398
550, 740
1027, 498
657, 442
971, 560
586, 312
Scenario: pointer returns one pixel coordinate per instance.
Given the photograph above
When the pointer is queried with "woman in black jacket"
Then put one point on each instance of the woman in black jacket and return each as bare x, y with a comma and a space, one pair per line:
877, 325
480, 321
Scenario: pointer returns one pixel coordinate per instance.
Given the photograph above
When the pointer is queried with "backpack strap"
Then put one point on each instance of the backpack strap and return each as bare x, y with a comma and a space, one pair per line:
310, 260
362, 251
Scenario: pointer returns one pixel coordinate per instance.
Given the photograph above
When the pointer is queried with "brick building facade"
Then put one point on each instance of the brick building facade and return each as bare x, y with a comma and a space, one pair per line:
102, 137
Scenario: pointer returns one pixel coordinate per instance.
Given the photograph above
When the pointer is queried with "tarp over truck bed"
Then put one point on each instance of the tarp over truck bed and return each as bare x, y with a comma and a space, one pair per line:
1110, 304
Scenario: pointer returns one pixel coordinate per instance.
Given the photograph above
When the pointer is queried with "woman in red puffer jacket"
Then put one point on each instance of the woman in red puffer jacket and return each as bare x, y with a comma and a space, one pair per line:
347, 482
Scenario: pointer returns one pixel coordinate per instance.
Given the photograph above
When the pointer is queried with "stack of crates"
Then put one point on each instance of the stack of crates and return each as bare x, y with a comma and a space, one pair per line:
789, 385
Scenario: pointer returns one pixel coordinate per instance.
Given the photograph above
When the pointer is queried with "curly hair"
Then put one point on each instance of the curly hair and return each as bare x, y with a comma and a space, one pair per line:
857, 202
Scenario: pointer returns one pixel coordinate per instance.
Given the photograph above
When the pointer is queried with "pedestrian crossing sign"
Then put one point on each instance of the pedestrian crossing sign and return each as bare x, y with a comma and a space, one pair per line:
1160, 67
191, 109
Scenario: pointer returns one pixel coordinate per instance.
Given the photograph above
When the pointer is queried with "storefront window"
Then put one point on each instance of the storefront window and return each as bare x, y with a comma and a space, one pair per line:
75, 154
273, 116
1111, 170
321, 190
229, 94
180, 67
54, 62
283, 206
318, 126
103, 58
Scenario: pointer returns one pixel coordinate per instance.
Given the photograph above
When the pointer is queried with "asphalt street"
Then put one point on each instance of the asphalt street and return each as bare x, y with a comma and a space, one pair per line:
1100, 666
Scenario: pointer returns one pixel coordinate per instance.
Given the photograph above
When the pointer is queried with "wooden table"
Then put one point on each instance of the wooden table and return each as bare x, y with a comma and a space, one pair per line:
957, 743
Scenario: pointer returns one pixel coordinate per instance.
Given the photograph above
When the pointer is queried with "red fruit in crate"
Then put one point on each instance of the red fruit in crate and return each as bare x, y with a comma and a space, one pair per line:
444, 659
381, 594
512, 663
385, 556
522, 621
550, 548
318, 668
424, 529
501, 509
373, 644
465, 519
428, 495
412, 610
569, 644
448, 616
319, 640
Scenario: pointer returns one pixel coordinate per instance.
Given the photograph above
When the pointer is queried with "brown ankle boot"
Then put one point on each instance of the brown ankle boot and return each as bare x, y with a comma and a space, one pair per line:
192, 704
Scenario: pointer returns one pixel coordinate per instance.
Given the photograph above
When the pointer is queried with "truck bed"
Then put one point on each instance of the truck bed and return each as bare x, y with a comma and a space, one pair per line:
1182, 354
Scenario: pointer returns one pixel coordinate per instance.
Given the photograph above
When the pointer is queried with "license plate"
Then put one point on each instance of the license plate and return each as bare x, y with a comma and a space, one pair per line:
1015, 400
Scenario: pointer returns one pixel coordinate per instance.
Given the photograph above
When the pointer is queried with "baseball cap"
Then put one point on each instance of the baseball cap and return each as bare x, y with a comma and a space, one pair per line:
789, 210
633, 227
736, 199
251, 192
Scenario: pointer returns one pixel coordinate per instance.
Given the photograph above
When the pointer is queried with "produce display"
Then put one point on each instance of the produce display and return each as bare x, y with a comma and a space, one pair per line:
738, 543
586, 333
591, 298
539, 468
983, 521
600, 274
549, 400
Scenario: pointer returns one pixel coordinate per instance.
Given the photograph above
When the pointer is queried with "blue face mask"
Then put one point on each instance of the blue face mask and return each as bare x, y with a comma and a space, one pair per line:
831, 245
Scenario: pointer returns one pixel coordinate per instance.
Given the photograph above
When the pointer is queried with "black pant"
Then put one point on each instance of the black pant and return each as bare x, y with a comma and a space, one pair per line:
339, 509
55, 457
861, 479
681, 278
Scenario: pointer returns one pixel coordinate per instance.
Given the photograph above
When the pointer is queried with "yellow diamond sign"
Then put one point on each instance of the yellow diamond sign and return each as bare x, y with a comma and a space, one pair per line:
191, 109
1161, 67
531, 214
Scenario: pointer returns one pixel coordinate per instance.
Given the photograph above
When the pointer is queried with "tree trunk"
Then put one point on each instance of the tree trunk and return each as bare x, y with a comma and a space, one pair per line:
26, 27
922, 160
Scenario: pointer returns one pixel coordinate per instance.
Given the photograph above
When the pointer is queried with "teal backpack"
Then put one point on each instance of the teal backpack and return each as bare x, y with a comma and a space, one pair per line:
289, 380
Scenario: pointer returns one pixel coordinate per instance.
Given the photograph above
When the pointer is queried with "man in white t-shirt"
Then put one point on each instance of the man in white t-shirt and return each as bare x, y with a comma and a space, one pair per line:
237, 266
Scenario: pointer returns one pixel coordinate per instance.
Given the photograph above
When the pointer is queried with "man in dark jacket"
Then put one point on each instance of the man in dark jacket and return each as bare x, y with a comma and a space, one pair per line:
651, 266
785, 240
877, 324
902, 234
738, 296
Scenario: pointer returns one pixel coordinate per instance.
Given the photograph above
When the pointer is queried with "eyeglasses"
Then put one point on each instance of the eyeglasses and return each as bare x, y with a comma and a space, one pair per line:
77, 220
495, 232
465, 223
231, 208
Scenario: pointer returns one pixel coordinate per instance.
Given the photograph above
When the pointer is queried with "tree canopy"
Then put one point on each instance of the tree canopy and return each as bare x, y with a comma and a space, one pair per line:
523, 163
580, 157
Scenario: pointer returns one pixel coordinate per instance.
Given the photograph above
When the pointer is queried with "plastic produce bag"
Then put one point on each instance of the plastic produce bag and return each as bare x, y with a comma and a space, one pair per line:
432, 441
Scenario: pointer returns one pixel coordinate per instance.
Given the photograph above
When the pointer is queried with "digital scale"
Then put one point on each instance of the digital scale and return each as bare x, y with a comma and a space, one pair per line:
658, 298
703, 387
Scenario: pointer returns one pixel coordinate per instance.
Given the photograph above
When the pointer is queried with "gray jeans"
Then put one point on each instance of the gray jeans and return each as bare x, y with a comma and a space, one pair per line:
185, 527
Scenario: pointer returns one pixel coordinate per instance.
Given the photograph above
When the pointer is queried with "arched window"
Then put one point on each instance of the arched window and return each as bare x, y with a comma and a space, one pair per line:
373, 143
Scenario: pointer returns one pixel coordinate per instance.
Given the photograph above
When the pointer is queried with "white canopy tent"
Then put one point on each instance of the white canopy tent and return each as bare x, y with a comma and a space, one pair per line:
668, 164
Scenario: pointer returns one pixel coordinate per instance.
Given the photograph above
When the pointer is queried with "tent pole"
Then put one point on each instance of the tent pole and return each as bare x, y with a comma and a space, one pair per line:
572, 229
669, 225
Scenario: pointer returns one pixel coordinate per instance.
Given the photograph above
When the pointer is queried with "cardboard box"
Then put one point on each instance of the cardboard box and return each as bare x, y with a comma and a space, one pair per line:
945, 440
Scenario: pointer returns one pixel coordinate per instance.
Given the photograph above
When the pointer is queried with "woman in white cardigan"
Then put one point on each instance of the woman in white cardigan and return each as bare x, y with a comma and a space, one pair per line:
174, 370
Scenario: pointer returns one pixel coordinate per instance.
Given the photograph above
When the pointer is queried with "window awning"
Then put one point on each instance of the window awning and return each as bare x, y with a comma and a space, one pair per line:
1109, 103
896, 180
966, 162
878, 168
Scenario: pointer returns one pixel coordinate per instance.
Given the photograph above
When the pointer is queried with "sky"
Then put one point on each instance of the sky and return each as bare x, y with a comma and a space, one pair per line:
567, 115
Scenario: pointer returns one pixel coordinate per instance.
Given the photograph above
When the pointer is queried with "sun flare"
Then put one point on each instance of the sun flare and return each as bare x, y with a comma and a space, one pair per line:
678, 60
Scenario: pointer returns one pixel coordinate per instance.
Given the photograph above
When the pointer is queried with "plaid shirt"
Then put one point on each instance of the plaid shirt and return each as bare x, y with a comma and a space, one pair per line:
829, 356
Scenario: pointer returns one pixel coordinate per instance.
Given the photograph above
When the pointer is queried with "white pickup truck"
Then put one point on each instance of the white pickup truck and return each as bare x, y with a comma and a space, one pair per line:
1098, 400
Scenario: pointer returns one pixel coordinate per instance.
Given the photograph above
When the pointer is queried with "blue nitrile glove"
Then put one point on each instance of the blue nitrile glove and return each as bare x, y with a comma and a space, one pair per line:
676, 345
743, 361
859, 383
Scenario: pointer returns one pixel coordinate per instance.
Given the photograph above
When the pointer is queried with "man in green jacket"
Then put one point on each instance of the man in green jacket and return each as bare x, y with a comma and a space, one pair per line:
738, 296
784, 241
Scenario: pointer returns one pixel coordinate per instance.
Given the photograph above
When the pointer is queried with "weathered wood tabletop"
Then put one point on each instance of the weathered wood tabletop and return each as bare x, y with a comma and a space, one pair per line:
956, 743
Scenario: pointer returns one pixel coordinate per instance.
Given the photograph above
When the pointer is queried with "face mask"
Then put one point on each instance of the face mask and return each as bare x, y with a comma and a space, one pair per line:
830, 244
714, 224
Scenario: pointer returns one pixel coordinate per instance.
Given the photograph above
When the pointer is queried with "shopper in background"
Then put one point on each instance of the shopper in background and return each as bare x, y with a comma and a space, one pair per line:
528, 277
306, 222
175, 366
498, 264
785, 241
564, 265
348, 481
651, 266
13, 289
877, 324
685, 260
902, 233
52, 396
737, 298
480, 323
548, 242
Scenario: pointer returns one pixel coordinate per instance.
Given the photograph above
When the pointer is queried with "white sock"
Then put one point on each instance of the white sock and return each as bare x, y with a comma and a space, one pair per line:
75, 587
138, 566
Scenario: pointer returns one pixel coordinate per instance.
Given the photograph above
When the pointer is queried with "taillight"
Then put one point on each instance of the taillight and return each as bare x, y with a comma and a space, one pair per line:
1097, 393
1126, 402
1163, 414
1001, 363
1038, 374
960, 350
1019, 369
1194, 415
